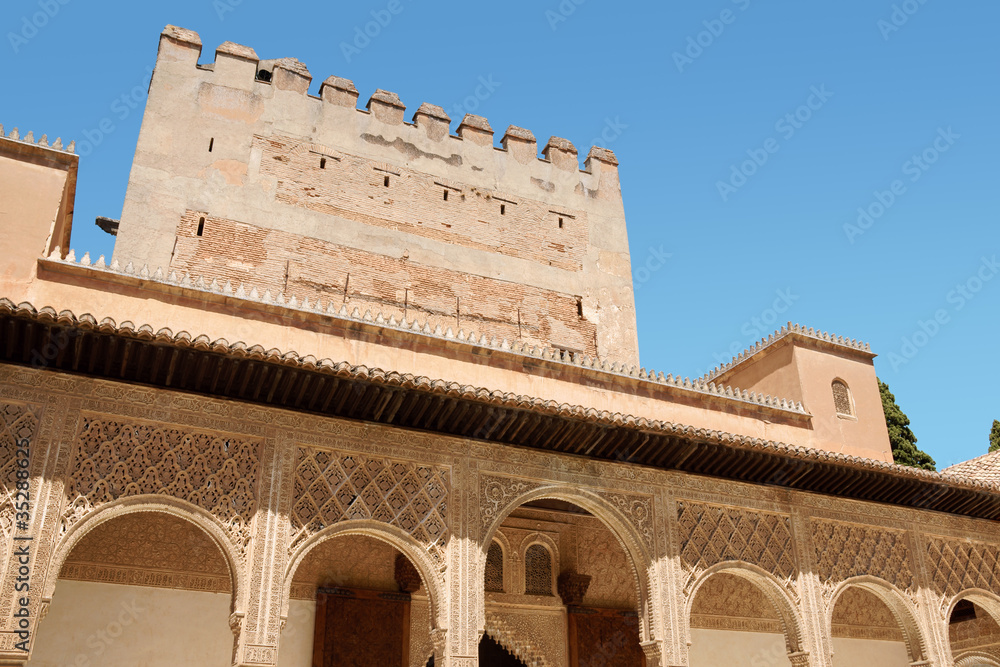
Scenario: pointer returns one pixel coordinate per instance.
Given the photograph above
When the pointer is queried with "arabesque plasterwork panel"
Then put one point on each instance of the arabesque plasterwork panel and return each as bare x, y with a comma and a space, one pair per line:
19, 423
957, 565
115, 458
536, 637
711, 534
333, 486
843, 551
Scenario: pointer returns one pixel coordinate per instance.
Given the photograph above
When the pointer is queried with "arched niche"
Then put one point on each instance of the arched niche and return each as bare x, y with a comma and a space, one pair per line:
739, 614
586, 603
625, 534
974, 628
367, 556
144, 581
870, 618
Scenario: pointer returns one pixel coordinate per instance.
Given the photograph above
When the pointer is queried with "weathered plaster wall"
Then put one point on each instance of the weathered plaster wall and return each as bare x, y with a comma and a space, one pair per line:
725, 648
800, 371
37, 186
859, 652
110, 625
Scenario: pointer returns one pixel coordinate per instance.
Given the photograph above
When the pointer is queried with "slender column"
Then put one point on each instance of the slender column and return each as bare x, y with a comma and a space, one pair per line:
933, 626
257, 623
460, 648
31, 544
817, 646
671, 650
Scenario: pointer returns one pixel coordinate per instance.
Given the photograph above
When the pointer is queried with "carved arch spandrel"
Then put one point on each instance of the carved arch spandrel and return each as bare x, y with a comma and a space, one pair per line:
789, 613
499, 496
957, 564
332, 486
711, 534
901, 607
115, 458
430, 573
844, 550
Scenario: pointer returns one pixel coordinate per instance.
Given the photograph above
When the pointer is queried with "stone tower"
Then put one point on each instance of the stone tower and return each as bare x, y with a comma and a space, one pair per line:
240, 174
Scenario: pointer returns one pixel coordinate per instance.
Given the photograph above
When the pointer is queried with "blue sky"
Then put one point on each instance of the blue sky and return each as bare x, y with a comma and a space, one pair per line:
835, 161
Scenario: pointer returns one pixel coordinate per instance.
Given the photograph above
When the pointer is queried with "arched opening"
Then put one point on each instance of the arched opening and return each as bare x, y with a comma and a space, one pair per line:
735, 620
494, 581
973, 630
867, 630
493, 654
356, 599
538, 570
573, 596
143, 587
843, 402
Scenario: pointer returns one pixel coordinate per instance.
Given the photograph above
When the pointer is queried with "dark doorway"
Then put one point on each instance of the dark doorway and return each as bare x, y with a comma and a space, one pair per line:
361, 628
491, 654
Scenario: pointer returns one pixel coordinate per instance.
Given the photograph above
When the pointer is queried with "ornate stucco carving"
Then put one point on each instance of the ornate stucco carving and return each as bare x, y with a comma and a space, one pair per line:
711, 534
536, 638
116, 458
846, 550
959, 553
957, 565
335, 486
150, 549
638, 510
495, 496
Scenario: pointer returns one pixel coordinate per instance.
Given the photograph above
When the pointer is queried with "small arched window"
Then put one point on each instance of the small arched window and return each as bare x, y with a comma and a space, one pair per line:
537, 571
842, 399
494, 569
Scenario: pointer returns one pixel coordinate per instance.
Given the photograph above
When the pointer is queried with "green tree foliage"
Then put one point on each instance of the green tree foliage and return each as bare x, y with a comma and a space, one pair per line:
995, 436
904, 442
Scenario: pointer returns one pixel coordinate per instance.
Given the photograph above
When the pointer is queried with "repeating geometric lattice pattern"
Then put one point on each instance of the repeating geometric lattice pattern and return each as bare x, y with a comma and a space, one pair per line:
115, 460
711, 535
332, 487
537, 570
844, 551
959, 564
18, 424
494, 569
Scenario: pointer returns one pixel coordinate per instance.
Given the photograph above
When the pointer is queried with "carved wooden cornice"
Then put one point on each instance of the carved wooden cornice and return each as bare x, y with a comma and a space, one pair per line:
197, 365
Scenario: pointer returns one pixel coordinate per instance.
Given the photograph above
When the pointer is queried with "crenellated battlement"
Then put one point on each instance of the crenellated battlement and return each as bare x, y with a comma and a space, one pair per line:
289, 74
41, 142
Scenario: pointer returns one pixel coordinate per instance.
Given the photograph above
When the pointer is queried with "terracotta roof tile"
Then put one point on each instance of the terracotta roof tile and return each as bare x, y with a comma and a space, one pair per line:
985, 468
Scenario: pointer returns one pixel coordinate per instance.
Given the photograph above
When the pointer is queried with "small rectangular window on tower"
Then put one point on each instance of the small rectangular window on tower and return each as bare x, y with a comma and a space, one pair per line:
385, 181
201, 226
503, 209
211, 144
446, 195
322, 163
561, 218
